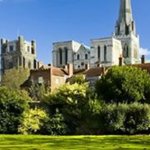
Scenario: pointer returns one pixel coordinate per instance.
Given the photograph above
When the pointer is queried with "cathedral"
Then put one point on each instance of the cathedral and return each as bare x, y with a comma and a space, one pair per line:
124, 43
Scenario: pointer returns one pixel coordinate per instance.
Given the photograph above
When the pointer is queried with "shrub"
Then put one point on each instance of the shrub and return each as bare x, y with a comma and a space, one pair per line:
137, 118
32, 121
125, 118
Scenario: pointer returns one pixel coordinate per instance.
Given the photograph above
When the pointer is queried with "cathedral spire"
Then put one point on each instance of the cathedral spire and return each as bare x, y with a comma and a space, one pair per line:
125, 23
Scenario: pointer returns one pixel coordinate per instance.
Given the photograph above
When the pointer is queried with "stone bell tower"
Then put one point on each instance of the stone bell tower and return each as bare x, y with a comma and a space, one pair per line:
125, 31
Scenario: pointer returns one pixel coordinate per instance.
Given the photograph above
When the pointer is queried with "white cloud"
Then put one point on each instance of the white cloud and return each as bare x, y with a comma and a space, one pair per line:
144, 51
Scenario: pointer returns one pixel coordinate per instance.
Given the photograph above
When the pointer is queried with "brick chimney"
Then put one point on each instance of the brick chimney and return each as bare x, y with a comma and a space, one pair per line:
143, 59
70, 69
120, 61
103, 70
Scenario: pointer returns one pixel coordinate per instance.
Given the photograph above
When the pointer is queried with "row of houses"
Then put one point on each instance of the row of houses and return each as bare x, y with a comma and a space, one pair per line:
53, 77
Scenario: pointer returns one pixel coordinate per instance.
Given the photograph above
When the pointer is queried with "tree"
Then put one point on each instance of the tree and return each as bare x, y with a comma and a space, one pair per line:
14, 78
124, 84
32, 121
37, 91
70, 100
12, 105
80, 79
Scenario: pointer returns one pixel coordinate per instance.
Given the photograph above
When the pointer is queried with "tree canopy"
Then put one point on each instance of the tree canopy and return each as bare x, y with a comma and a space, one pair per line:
124, 84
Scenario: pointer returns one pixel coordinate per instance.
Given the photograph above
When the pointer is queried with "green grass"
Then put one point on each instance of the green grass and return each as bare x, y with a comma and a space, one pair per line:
33, 142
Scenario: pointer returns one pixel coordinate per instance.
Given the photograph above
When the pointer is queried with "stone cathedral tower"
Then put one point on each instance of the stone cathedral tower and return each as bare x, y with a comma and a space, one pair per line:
18, 53
125, 31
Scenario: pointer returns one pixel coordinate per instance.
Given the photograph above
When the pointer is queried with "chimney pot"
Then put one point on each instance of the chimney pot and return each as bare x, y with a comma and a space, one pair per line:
143, 59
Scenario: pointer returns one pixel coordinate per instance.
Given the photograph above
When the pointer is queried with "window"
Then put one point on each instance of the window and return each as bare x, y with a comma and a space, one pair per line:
11, 48
105, 53
99, 52
127, 30
86, 56
32, 50
60, 56
40, 80
35, 64
66, 55
126, 51
78, 57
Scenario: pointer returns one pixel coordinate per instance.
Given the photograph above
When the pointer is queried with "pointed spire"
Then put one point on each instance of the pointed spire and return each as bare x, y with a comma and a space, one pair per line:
125, 12
125, 24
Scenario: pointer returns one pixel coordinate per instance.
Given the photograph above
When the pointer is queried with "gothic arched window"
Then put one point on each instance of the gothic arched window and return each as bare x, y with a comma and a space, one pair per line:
127, 30
126, 51
105, 53
60, 56
78, 57
99, 52
66, 55
86, 56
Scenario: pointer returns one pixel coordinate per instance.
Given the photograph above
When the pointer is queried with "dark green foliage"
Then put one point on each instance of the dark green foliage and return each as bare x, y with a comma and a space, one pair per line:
37, 91
125, 118
12, 105
137, 118
54, 125
124, 84
80, 79
71, 101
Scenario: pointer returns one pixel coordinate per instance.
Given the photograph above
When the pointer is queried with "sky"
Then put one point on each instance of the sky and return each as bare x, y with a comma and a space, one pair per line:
48, 21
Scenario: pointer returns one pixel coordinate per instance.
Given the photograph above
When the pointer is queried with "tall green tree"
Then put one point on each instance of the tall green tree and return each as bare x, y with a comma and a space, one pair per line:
124, 84
14, 78
70, 100
12, 105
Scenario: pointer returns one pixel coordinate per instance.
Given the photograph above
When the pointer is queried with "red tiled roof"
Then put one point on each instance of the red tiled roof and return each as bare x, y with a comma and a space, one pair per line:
58, 72
79, 71
94, 72
145, 66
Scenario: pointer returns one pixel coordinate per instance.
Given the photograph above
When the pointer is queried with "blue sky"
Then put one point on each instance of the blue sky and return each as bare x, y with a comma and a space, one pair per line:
48, 21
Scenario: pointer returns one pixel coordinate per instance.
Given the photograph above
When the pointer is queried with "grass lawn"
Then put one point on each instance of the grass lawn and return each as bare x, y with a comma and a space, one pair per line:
21, 142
